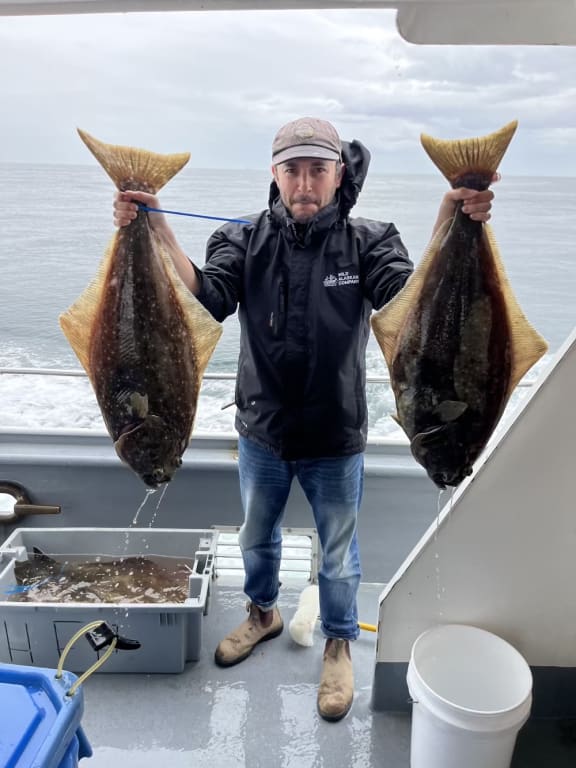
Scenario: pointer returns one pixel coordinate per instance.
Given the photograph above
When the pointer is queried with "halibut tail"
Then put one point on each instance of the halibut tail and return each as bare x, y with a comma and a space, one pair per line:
476, 157
133, 168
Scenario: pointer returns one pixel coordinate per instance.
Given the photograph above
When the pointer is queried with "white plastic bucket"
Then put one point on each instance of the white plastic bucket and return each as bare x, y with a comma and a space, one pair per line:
471, 693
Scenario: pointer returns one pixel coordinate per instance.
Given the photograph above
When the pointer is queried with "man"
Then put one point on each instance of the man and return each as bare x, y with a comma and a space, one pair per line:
305, 278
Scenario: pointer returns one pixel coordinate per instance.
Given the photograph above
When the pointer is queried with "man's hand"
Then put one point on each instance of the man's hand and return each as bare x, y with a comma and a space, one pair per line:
126, 209
476, 204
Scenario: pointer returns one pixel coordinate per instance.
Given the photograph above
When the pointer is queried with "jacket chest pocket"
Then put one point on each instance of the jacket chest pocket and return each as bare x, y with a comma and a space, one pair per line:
277, 320
341, 295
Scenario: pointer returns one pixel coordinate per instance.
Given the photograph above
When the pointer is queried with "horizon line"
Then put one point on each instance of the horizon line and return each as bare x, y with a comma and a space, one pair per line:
558, 175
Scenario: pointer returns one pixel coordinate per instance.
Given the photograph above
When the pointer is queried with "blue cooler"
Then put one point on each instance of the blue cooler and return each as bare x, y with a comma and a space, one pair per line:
40, 724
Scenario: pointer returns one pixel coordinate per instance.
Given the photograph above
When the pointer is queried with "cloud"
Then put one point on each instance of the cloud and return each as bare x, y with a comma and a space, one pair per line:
220, 83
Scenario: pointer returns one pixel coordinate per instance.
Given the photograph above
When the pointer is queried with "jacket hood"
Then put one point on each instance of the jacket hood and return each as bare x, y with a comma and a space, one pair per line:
356, 159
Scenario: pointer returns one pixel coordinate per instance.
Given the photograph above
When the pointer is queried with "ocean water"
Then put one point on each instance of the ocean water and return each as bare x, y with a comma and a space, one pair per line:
55, 223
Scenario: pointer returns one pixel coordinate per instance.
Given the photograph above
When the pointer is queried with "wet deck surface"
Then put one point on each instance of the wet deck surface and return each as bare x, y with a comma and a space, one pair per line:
262, 712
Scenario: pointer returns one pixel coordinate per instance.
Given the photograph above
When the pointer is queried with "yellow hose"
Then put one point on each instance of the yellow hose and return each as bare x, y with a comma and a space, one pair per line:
59, 670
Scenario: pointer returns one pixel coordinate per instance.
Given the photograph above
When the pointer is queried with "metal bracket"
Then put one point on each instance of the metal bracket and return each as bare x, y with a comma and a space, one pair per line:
23, 505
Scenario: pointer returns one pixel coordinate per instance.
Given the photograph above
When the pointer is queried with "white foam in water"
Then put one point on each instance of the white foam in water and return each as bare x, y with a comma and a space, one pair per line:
32, 401
44, 402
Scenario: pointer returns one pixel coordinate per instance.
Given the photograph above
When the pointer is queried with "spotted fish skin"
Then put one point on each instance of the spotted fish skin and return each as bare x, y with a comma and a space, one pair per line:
145, 369
452, 371
455, 339
142, 337
130, 579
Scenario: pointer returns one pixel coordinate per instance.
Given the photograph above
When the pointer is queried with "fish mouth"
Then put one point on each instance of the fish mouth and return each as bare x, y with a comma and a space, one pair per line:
156, 478
146, 445
453, 479
435, 450
439, 481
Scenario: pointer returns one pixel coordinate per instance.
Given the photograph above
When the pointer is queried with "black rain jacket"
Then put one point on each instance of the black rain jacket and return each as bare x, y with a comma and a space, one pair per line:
305, 296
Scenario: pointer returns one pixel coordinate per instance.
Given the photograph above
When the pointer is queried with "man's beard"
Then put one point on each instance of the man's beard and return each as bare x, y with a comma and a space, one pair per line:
302, 218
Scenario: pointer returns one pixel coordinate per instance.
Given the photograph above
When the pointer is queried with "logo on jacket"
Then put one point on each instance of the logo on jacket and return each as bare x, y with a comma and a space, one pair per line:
342, 278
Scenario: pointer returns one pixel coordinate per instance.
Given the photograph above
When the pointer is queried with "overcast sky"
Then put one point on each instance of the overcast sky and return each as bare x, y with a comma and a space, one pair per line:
219, 84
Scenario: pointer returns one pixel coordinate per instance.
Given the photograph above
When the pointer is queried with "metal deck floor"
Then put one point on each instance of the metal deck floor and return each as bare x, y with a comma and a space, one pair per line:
262, 712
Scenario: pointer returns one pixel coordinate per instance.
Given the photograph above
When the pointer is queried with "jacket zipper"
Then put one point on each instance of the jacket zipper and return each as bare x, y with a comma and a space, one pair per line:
276, 321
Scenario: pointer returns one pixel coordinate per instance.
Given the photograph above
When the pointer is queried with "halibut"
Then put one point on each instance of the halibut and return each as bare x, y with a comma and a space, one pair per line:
130, 579
140, 334
455, 339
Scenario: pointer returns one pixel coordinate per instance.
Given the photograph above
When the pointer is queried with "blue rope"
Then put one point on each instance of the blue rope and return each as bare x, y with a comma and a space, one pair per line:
19, 588
143, 207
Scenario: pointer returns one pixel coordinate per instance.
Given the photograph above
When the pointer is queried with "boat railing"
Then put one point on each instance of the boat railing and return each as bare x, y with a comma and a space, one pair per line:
79, 372
208, 376
217, 394
42, 411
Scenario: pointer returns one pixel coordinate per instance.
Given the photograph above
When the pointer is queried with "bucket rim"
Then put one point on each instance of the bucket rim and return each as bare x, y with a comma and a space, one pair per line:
523, 702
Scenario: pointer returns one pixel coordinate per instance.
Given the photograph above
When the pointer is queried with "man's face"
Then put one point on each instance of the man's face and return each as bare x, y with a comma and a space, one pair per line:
306, 185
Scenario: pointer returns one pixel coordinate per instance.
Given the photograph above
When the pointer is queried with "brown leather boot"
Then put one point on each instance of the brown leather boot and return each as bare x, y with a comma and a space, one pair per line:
336, 690
239, 644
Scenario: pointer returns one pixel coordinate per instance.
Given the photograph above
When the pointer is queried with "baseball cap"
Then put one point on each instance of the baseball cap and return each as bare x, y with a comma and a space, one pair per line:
306, 137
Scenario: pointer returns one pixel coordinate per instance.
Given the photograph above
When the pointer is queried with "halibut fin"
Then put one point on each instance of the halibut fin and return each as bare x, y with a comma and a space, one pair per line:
132, 168
388, 322
450, 410
204, 330
527, 345
457, 157
77, 321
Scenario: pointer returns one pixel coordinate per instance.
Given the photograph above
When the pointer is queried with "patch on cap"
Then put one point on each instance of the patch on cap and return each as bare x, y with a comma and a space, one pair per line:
304, 131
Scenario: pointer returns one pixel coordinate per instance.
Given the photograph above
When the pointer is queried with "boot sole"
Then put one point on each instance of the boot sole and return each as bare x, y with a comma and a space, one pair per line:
335, 718
225, 663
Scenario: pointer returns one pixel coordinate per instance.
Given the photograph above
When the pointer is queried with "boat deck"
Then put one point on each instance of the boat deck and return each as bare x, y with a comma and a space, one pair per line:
262, 712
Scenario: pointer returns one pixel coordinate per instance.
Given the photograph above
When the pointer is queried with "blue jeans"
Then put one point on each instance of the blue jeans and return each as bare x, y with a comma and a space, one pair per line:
333, 486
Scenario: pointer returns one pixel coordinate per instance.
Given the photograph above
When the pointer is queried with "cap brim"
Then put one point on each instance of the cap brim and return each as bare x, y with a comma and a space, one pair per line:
305, 150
